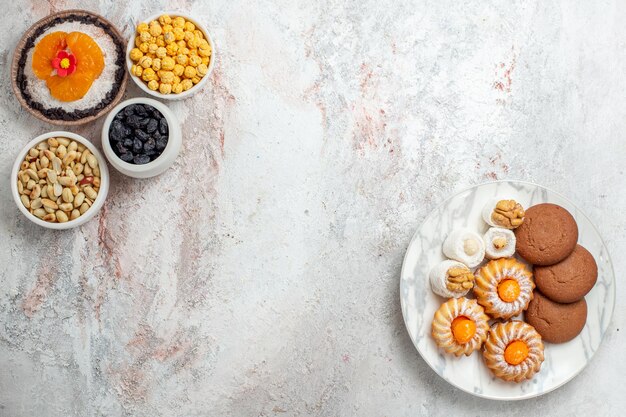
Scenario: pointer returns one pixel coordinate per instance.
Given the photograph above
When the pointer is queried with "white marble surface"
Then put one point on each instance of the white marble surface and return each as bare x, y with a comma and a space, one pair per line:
259, 276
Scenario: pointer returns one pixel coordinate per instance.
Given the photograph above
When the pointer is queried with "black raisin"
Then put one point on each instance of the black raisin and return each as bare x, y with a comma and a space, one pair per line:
163, 126
129, 110
140, 110
141, 159
149, 145
152, 125
133, 121
127, 157
161, 144
137, 145
121, 149
141, 135
128, 142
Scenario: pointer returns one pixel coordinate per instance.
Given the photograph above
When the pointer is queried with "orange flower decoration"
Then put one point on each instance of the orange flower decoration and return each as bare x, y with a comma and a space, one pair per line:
68, 80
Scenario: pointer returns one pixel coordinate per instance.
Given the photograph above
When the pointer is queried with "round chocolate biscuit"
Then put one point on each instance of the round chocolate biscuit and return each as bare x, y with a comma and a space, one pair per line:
556, 322
548, 234
569, 280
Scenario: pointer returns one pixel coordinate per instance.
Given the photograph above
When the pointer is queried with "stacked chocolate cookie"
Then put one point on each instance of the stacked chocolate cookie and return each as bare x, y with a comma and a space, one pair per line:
564, 272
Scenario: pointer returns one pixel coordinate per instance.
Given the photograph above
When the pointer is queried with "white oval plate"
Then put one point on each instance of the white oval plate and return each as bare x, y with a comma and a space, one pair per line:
562, 361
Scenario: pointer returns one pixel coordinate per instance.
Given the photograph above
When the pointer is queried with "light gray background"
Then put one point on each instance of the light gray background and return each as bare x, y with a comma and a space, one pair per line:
259, 276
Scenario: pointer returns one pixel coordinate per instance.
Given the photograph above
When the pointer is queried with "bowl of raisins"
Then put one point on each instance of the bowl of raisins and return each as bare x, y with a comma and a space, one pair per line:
141, 137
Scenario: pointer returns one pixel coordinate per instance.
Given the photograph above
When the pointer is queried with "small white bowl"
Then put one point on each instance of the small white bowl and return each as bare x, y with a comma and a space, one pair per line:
167, 157
102, 193
185, 94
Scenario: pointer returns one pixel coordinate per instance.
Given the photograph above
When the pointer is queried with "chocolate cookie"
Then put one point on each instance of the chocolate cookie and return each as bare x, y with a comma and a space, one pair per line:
556, 322
570, 279
547, 236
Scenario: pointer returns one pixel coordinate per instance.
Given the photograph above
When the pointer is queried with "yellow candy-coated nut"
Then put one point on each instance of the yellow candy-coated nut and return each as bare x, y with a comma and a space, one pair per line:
153, 85
187, 84
203, 43
189, 36
195, 60
172, 49
195, 80
178, 69
145, 36
145, 61
165, 19
168, 28
169, 38
190, 26
165, 88
153, 39
135, 54
152, 48
156, 64
156, 30
177, 88
206, 60
184, 51
136, 70
143, 47
161, 52
142, 27
137, 41
182, 59
190, 72
204, 52
178, 22
168, 63
179, 34
181, 44
193, 43
160, 40
198, 33
166, 77
148, 74
201, 70
193, 52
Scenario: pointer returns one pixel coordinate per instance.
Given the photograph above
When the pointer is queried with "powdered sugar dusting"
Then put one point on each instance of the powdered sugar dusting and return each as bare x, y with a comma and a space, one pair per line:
101, 86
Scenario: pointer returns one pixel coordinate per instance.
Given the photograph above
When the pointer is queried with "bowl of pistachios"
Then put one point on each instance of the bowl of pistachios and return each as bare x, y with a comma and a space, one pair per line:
59, 180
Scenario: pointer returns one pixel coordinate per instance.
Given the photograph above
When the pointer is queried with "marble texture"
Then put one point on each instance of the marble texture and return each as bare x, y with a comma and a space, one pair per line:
259, 276
562, 361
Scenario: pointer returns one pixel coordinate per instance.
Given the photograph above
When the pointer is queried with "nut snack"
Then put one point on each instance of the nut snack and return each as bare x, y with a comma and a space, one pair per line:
508, 214
451, 279
171, 55
58, 180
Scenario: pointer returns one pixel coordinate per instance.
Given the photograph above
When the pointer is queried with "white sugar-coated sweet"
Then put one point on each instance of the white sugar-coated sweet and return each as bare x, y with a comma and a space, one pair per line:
438, 279
500, 236
101, 86
465, 246
488, 209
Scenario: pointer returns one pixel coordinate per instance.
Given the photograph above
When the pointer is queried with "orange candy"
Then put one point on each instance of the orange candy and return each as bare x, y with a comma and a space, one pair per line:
89, 64
45, 51
516, 352
463, 329
508, 290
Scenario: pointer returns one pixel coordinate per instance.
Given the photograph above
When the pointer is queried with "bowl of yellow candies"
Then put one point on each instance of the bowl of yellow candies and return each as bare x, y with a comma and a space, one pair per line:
170, 56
